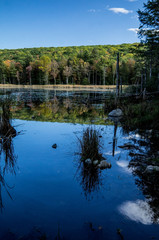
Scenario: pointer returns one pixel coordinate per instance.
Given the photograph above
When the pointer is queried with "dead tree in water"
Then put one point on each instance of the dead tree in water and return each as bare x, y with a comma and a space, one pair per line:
121, 89
117, 76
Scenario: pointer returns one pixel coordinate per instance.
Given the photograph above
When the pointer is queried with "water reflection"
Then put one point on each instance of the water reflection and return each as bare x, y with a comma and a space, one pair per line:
90, 179
145, 153
138, 211
59, 110
116, 121
7, 133
124, 165
46, 179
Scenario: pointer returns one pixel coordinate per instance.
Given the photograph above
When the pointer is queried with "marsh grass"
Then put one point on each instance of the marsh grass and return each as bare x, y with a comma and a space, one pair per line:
90, 144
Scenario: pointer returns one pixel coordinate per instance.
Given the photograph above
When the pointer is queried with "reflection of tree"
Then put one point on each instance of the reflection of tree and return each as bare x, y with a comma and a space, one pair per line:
90, 178
60, 109
7, 133
115, 120
147, 181
114, 138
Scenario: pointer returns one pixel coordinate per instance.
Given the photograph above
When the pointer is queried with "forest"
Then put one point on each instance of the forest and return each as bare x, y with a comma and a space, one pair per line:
84, 65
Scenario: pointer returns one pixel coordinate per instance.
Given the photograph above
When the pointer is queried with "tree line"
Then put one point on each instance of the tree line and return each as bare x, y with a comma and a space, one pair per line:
68, 65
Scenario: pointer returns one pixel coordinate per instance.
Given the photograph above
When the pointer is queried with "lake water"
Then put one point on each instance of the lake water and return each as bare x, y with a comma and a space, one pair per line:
45, 191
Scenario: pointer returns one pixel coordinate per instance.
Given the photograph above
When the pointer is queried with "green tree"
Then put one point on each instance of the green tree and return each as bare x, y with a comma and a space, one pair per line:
45, 66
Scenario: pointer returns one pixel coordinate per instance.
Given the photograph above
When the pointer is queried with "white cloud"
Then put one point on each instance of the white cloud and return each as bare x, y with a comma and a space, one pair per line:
120, 10
132, 0
133, 30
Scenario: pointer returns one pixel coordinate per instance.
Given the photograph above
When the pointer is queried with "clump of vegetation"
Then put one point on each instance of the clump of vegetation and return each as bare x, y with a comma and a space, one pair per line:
138, 113
90, 144
110, 104
141, 115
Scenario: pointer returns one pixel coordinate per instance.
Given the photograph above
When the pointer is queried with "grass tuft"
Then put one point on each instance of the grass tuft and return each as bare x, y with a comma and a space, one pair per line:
90, 144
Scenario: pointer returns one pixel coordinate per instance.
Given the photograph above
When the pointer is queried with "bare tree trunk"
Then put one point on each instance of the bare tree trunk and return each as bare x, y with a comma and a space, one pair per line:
151, 66
150, 72
121, 85
93, 77
117, 76
46, 78
103, 76
145, 79
96, 79
141, 81
4, 81
89, 77
30, 80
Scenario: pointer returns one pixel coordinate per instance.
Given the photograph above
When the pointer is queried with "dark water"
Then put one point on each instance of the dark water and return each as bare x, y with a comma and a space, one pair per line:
44, 191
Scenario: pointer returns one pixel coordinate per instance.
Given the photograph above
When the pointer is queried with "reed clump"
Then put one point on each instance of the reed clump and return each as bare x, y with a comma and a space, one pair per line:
90, 144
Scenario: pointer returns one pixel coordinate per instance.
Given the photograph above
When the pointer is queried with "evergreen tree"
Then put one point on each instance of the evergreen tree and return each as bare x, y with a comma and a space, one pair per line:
149, 34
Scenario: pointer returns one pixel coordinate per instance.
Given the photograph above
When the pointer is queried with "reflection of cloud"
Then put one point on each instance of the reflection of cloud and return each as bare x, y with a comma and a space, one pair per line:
120, 10
132, 136
124, 165
138, 211
110, 153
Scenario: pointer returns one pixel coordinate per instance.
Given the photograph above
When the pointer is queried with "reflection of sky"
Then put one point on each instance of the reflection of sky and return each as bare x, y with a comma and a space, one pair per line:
138, 211
124, 165
109, 153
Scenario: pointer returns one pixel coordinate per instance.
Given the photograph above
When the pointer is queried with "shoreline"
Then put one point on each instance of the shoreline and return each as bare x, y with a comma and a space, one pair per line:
63, 87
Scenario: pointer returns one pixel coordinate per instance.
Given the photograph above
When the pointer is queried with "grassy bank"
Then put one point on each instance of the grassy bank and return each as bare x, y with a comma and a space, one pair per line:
64, 87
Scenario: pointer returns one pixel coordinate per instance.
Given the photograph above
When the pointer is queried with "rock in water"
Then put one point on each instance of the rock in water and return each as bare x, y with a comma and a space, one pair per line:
151, 168
54, 145
95, 162
88, 161
116, 113
103, 164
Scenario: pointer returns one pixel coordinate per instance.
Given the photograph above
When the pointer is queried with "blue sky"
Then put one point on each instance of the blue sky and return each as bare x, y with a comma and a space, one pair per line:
47, 23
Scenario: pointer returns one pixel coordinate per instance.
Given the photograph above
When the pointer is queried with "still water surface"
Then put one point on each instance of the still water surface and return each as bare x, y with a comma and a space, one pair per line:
45, 190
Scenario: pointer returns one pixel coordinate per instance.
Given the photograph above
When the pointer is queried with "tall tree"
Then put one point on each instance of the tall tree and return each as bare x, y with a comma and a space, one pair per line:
29, 70
149, 34
54, 70
67, 72
45, 66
